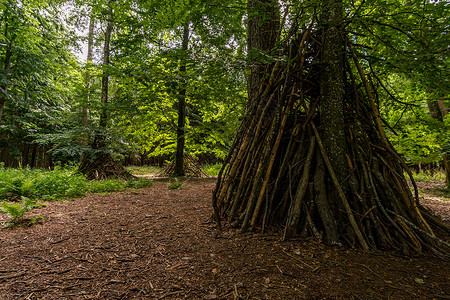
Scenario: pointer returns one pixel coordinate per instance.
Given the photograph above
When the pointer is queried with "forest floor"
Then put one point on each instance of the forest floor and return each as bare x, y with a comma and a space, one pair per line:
156, 243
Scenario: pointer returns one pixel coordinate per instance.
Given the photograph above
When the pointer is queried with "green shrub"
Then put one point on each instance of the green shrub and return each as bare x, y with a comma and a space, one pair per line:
212, 170
139, 183
15, 182
41, 184
27, 184
175, 184
16, 210
107, 186
428, 177
59, 183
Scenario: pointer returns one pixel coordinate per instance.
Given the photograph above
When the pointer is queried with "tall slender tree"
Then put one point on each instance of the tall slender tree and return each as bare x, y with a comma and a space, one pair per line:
89, 58
181, 125
100, 164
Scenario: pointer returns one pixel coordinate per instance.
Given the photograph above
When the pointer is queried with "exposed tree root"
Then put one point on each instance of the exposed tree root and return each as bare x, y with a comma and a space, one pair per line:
278, 171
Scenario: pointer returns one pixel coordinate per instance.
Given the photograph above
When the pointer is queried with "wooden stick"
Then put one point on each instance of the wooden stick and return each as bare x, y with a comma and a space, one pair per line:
347, 207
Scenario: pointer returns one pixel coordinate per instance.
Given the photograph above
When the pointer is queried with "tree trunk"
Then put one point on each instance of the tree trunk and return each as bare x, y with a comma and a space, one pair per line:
33, 156
105, 77
6, 70
181, 125
100, 164
438, 112
99, 140
262, 34
90, 54
332, 102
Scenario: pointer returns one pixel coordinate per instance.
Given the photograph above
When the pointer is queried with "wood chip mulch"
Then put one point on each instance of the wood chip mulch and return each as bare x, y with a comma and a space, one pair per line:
157, 243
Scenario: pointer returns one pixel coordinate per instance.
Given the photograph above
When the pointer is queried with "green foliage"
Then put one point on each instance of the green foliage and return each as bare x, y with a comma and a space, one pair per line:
28, 184
403, 47
41, 184
146, 80
428, 176
58, 184
413, 132
139, 183
16, 210
404, 42
212, 170
175, 184
149, 78
143, 170
106, 186
38, 72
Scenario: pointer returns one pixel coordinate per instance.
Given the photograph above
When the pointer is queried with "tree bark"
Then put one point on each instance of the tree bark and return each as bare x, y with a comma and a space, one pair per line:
90, 54
332, 97
105, 77
181, 124
438, 112
262, 35
6, 70
99, 140
102, 165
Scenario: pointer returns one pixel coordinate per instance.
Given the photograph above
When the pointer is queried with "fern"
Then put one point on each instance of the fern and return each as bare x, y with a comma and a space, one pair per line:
16, 210
175, 185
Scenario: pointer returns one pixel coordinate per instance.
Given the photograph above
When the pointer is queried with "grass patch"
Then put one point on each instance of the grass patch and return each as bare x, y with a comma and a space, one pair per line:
57, 184
143, 170
212, 169
444, 193
428, 176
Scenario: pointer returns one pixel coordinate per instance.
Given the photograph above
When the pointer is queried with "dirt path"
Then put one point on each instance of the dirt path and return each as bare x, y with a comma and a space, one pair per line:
156, 243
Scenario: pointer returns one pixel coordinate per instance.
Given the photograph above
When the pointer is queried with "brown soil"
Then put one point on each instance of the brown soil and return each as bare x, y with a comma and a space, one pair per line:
158, 243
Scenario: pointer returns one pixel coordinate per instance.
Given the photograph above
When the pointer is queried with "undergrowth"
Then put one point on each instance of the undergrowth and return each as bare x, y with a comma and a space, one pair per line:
422, 176
143, 170
17, 210
175, 184
212, 169
21, 188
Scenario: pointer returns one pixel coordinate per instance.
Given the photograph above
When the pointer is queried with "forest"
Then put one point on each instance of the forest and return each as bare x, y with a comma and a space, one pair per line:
314, 122
143, 76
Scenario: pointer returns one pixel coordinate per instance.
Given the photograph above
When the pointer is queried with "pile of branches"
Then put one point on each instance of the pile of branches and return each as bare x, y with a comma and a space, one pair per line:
102, 166
191, 166
278, 172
